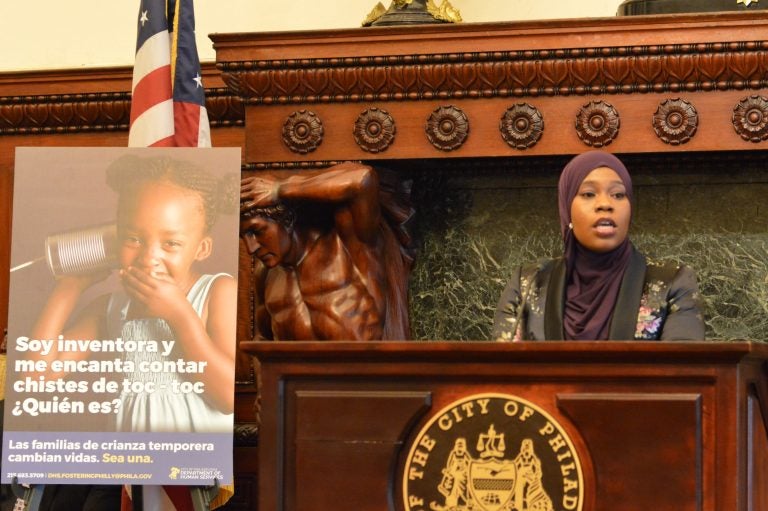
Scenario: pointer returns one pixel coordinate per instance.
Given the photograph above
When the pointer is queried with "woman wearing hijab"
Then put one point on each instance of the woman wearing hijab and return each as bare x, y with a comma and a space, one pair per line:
602, 288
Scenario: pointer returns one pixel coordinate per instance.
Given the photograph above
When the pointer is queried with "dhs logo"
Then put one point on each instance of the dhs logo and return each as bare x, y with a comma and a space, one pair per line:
492, 452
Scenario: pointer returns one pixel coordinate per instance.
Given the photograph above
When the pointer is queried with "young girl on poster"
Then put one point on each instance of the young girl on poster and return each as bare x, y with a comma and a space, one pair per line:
165, 212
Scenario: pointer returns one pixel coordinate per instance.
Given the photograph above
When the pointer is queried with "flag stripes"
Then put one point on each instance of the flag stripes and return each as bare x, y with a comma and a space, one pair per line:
168, 110
168, 97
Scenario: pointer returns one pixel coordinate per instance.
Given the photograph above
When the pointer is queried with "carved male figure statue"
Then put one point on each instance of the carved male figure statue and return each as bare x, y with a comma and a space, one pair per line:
334, 254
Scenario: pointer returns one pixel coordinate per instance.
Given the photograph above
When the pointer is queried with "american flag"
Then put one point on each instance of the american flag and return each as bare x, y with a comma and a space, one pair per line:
167, 110
168, 98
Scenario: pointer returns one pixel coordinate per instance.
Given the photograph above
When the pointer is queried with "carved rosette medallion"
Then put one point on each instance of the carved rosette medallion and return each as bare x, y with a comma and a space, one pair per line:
374, 130
302, 131
447, 128
750, 118
675, 121
521, 126
597, 123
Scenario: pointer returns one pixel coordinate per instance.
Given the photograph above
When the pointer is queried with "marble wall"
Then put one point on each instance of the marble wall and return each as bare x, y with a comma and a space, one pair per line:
478, 219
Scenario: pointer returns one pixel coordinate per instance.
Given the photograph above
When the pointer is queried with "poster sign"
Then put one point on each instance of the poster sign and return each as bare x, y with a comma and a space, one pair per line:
122, 312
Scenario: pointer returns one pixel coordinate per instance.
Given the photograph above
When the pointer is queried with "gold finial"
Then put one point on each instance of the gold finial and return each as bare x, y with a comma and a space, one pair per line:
447, 12
746, 2
410, 12
376, 13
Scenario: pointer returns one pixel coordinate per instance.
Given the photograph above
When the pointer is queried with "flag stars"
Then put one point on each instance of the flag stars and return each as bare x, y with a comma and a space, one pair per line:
198, 80
144, 18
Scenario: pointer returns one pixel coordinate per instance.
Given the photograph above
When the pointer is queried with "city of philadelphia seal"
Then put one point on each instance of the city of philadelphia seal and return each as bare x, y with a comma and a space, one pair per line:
492, 452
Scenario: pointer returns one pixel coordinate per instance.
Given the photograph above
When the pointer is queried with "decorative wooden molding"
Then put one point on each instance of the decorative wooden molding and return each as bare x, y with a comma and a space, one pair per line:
652, 162
291, 165
675, 121
96, 112
750, 118
374, 130
91, 101
447, 128
544, 72
597, 123
224, 109
521, 126
32, 115
633, 63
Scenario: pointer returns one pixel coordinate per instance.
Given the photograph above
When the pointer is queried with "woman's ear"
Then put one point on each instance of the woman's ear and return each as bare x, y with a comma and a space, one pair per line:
204, 249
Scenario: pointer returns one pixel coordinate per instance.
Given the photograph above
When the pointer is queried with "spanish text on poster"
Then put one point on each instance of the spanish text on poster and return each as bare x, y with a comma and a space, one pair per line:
122, 313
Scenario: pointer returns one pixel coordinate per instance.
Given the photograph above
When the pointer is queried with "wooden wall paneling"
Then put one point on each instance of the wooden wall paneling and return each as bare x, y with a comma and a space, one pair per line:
633, 65
264, 142
685, 401
641, 84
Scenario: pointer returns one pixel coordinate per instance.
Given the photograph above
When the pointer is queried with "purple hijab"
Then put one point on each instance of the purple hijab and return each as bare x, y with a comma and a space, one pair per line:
592, 279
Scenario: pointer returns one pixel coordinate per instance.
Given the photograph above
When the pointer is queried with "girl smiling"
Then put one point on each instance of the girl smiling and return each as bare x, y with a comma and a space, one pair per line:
166, 209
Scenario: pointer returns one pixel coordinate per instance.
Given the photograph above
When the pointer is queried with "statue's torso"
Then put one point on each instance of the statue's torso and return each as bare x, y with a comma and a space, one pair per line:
326, 296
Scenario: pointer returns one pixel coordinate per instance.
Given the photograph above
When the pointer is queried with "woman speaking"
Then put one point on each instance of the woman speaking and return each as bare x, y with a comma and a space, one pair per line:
602, 287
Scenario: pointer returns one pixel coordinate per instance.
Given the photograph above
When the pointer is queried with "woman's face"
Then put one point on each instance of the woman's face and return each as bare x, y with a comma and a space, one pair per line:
601, 211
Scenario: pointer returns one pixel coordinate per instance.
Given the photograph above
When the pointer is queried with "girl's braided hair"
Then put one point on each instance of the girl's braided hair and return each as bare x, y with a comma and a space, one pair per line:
220, 195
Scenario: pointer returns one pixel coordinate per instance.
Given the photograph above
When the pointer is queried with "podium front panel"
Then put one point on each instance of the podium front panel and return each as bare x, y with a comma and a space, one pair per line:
495, 426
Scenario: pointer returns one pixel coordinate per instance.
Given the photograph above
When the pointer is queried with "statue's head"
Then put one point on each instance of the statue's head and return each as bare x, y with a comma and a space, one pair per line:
268, 232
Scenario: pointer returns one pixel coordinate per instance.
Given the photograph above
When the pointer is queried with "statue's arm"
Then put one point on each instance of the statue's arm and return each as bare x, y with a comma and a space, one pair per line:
353, 187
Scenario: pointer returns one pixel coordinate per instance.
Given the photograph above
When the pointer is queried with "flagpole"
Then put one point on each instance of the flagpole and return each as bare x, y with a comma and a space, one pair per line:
169, 114
137, 497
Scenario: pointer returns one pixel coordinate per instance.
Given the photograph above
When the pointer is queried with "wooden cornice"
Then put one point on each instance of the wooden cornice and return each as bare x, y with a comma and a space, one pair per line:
91, 100
688, 83
579, 57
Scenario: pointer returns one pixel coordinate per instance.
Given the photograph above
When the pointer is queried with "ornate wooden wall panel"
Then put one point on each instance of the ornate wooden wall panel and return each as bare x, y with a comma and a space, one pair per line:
640, 84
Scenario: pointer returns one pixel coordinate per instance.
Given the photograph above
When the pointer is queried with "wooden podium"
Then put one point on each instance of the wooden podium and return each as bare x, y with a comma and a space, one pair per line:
655, 426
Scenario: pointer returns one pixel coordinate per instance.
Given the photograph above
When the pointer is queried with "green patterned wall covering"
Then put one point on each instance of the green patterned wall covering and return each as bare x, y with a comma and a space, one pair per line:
478, 219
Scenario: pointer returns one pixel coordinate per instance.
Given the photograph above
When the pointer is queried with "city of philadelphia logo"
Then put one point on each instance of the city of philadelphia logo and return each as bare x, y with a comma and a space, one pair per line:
492, 452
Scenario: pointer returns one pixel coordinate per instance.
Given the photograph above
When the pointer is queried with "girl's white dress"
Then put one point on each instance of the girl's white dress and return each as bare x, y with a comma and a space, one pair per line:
162, 410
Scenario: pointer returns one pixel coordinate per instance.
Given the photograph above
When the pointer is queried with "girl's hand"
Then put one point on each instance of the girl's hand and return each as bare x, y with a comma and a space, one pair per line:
159, 295
81, 282
56, 316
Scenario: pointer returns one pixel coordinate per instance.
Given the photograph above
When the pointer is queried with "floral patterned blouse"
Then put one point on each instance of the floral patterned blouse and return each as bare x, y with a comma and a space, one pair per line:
657, 301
